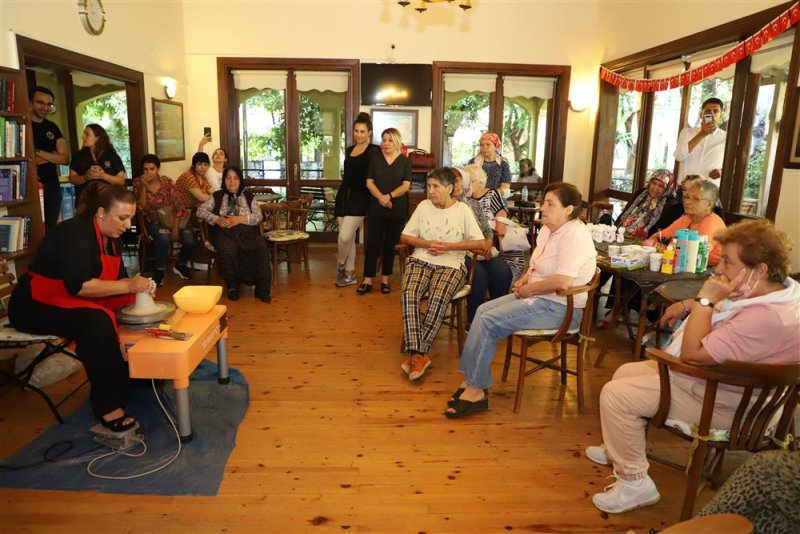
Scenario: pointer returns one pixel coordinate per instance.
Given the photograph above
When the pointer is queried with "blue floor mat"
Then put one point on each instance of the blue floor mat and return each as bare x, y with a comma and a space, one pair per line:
216, 412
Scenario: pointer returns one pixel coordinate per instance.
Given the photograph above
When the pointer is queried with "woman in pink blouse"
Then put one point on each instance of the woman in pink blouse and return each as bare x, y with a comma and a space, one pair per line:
564, 257
165, 217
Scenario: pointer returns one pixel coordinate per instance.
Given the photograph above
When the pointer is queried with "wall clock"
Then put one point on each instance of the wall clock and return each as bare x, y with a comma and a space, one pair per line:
93, 16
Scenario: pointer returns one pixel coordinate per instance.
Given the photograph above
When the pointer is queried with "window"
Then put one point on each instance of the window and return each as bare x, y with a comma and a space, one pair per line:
626, 142
666, 119
524, 104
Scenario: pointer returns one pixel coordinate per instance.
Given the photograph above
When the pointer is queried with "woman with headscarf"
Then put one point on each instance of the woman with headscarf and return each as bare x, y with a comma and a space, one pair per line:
498, 173
642, 214
234, 216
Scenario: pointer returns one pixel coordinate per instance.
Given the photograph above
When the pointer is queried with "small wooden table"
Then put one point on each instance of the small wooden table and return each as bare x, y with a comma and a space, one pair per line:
152, 357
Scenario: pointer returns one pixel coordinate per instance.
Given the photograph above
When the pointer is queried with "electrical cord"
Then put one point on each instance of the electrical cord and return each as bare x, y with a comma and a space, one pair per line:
49, 457
115, 453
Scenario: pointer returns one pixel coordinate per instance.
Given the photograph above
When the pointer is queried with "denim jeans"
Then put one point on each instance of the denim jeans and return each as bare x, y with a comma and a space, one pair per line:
493, 275
498, 318
162, 239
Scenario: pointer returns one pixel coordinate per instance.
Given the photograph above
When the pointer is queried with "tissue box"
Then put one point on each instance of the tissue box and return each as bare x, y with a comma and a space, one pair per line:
628, 261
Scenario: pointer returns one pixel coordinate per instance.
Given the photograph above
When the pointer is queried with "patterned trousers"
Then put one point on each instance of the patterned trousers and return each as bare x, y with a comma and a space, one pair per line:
440, 283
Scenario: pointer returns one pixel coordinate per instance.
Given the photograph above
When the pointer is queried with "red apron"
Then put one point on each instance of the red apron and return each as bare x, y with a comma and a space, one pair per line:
54, 293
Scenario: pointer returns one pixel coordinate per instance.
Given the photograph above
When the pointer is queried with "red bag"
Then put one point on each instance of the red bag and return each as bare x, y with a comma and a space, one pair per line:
421, 159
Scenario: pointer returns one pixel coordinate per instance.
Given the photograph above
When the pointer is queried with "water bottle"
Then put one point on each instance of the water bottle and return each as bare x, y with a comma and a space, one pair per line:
524, 193
702, 255
681, 250
693, 240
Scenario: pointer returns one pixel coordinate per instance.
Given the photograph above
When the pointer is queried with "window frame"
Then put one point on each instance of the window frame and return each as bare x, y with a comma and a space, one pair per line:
737, 144
555, 141
229, 115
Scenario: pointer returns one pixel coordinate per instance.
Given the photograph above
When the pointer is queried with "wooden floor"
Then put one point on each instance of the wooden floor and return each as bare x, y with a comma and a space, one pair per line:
337, 439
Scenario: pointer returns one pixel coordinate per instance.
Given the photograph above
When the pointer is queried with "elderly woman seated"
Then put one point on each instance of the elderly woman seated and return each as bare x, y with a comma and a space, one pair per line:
243, 255
440, 230
564, 257
698, 208
749, 311
642, 215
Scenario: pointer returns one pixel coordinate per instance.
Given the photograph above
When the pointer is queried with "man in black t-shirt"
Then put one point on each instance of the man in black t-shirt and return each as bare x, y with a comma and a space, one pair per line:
51, 150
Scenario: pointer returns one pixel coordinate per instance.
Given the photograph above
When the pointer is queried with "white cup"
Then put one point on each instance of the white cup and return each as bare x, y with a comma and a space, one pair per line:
655, 261
649, 249
613, 250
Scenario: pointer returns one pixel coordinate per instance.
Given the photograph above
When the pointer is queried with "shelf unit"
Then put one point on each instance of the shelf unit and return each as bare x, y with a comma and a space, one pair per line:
29, 206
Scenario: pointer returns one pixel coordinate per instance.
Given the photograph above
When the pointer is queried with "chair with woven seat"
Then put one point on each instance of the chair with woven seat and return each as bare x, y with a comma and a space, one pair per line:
11, 338
763, 418
283, 226
456, 317
563, 335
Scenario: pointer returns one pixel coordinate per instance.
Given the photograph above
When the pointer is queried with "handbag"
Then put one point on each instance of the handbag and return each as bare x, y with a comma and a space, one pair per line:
166, 218
516, 238
421, 159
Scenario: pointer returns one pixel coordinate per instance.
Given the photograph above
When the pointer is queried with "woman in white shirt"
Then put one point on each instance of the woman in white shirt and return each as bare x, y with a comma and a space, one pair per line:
564, 257
440, 230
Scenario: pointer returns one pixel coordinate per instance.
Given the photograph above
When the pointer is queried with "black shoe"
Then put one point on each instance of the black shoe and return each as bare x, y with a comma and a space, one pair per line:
386, 288
158, 277
363, 289
233, 294
263, 295
182, 271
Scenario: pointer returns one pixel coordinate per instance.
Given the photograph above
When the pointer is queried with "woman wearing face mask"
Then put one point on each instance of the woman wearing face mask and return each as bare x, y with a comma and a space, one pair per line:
352, 199
234, 217
498, 173
748, 311
97, 163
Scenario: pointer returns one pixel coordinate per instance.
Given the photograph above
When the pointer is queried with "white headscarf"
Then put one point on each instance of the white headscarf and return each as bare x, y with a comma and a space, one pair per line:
466, 182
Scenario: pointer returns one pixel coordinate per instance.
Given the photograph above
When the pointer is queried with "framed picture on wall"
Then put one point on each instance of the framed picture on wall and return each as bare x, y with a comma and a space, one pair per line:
405, 120
793, 150
168, 130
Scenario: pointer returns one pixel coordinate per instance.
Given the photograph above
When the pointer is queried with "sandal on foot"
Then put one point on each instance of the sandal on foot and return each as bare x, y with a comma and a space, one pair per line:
457, 395
603, 324
118, 424
386, 288
463, 408
363, 289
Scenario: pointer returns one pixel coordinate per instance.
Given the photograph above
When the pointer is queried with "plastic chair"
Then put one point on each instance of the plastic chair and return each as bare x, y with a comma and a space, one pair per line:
563, 335
762, 420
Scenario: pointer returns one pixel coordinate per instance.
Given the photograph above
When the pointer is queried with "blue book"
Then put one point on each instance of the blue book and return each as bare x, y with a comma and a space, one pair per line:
5, 237
7, 179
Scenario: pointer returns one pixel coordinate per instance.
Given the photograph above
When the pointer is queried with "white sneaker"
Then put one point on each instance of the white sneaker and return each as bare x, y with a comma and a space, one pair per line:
625, 495
597, 454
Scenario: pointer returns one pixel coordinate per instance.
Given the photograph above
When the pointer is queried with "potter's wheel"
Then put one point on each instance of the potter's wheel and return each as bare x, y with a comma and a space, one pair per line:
157, 313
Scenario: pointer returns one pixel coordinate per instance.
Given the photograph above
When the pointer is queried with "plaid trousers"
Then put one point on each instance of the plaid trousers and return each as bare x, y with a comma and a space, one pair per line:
440, 283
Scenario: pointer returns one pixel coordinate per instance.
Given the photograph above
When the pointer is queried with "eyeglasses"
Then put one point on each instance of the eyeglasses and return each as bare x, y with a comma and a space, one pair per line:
695, 199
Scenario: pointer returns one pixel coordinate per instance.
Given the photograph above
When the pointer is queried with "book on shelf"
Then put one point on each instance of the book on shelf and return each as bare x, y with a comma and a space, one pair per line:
13, 181
12, 138
7, 179
7, 94
18, 229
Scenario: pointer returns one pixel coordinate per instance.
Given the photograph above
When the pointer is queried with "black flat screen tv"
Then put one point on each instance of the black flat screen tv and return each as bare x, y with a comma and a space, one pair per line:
393, 84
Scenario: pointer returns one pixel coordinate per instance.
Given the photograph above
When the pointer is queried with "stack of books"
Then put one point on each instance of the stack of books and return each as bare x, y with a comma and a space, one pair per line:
14, 233
7, 93
12, 181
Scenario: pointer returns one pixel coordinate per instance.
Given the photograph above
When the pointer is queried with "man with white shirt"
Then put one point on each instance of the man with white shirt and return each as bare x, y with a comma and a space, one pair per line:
701, 150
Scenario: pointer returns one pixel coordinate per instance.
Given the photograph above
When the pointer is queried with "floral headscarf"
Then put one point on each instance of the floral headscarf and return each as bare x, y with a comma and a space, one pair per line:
645, 210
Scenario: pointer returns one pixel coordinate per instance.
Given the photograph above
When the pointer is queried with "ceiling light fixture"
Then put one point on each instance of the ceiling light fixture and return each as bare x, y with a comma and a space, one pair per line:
422, 5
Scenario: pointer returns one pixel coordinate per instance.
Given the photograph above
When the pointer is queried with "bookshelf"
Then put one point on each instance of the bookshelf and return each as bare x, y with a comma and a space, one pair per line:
14, 107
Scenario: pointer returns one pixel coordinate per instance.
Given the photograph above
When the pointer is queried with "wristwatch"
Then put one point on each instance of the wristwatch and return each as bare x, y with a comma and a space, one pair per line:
704, 302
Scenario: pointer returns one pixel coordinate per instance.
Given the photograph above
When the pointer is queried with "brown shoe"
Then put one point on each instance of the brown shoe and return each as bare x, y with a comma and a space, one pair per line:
406, 365
421, 364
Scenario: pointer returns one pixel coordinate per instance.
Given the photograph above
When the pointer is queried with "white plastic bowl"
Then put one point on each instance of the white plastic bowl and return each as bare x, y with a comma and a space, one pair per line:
197, 299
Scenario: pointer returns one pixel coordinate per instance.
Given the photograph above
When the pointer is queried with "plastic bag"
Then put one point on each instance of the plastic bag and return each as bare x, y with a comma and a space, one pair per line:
516, 238
54, 369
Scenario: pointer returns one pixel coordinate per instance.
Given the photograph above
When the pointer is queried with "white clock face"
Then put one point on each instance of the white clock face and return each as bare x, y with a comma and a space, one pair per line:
93, 16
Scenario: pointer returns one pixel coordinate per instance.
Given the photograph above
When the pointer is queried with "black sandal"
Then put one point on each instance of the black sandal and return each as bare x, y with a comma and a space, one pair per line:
386, 288
118, 424
457, 395
463, 408
363, 289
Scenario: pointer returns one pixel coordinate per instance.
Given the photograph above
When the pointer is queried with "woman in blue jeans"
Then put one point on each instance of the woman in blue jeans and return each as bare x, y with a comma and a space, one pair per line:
564, 257
165, 218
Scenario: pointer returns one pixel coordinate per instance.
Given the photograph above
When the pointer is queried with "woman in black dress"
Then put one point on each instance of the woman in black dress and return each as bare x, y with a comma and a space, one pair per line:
234, 217
352, 198
388, 181
96, 163
74, 284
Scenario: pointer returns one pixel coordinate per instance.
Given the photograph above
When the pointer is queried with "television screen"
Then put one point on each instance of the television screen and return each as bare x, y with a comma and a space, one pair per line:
393, 84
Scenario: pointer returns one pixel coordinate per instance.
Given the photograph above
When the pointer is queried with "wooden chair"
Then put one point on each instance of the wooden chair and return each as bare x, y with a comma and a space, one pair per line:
457, 316
563, 335
595, 209
283, 226
210, 250
10, 338
762, 420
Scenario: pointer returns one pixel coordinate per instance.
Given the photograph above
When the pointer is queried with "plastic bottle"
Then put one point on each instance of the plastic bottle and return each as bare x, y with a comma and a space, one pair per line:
667, 259
679, 242
693, 241
702, 255
524, 193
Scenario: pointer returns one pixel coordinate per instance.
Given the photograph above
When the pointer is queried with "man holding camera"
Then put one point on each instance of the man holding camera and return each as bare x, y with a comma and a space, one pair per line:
701, 150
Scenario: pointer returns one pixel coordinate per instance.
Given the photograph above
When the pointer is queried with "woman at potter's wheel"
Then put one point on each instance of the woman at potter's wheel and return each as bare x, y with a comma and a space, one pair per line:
75, 282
